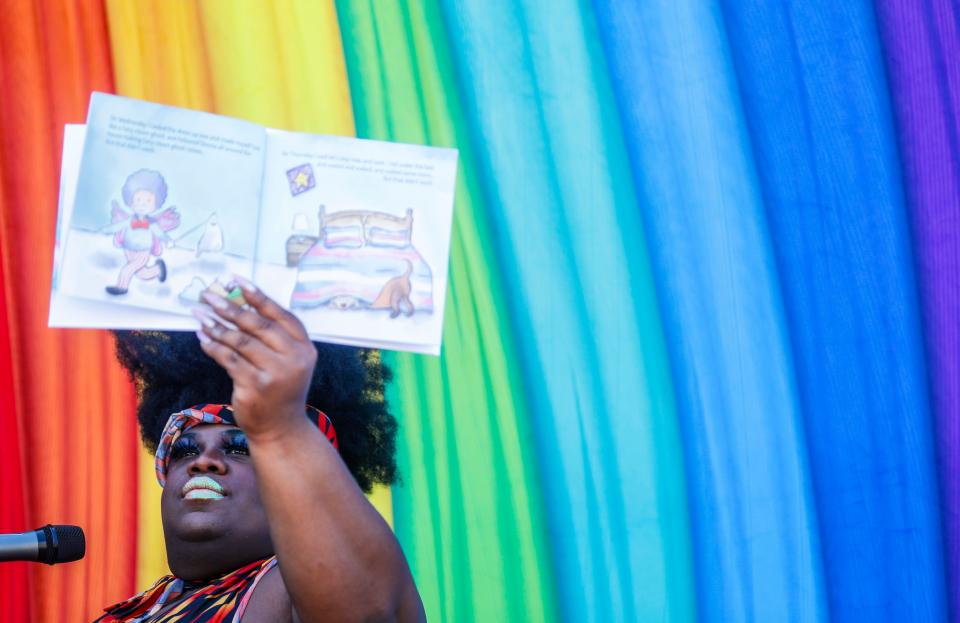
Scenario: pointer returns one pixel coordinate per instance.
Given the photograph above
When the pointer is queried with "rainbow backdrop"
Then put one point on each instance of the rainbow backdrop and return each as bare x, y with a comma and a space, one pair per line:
702, 346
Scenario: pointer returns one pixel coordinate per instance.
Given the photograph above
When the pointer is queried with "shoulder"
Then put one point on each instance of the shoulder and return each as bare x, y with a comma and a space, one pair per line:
270, 600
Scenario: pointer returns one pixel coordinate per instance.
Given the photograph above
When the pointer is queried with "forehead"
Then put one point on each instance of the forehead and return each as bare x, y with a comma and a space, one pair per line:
207, 432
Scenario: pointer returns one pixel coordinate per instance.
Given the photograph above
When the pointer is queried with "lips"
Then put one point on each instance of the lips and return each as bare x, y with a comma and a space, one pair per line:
202, 488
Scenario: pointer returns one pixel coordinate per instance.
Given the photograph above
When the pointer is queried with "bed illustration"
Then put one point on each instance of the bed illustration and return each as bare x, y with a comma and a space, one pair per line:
361, 259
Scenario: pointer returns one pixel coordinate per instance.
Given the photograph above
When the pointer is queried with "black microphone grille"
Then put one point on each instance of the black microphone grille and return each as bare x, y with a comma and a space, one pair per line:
71, 545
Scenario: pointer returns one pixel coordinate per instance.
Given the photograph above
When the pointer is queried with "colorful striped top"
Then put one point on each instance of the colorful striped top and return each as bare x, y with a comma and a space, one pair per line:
172, 600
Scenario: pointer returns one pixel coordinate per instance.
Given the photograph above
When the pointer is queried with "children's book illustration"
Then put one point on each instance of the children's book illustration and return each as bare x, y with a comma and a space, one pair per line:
176, 193
141, 229
211, 241
364, 260
192, 295
351, 235
301, 179
395, 294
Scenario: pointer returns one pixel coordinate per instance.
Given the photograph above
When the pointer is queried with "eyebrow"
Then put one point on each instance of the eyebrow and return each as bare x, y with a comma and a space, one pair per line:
232, 434
227, 434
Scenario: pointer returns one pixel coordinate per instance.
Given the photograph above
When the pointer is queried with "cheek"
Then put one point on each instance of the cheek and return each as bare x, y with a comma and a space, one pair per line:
248, 496
166, 505
246, 488
168, 494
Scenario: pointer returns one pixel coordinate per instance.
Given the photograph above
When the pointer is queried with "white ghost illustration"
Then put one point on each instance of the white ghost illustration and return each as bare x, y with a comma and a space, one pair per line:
212, 239
191, 294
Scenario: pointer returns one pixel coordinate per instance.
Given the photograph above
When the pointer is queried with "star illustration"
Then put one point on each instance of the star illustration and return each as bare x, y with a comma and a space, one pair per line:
301, 180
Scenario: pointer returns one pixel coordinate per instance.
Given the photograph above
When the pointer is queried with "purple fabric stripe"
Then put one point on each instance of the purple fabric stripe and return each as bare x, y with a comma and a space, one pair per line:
921, 43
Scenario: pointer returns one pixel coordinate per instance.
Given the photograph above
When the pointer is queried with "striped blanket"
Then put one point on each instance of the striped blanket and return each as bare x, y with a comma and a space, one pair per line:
341, 276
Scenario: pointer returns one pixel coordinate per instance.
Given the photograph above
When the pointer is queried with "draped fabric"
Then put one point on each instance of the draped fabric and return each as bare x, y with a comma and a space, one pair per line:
13, 576
921, 43
465, 450
837, 221
724, 317
76, 459
702, 344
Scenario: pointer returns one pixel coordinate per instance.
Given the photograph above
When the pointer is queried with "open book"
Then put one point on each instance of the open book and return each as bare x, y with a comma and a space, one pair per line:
158, 204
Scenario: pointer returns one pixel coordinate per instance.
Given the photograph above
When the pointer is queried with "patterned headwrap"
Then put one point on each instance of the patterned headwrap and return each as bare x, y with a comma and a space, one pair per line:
183, 421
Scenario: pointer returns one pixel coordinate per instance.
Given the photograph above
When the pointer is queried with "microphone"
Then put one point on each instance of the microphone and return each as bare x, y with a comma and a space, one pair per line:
49, 544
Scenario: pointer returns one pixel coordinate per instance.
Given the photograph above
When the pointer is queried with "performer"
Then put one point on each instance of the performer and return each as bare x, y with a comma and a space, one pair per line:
263, 519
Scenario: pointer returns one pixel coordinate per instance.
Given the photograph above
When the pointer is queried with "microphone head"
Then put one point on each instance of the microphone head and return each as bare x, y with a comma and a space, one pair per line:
64, 544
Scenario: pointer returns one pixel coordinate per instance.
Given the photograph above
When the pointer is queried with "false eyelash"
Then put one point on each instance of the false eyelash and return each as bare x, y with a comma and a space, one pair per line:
182, 446
237, 443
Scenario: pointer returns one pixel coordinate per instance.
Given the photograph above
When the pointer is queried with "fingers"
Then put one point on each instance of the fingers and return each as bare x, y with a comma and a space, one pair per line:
263, 348
249, 321
229, 358
260, 333
268, 308
245, 344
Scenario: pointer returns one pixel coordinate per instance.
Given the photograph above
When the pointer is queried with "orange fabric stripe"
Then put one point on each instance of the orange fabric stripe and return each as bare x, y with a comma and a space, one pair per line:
79, 456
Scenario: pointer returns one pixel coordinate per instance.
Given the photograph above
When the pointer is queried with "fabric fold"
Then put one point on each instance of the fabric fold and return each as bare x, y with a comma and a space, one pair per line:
51, 56
566, 228
754, 519
921, 45
464, 416
817, 103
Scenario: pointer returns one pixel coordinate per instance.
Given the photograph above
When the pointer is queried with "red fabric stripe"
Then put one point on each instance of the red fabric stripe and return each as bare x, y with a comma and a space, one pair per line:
79, 457
14, 590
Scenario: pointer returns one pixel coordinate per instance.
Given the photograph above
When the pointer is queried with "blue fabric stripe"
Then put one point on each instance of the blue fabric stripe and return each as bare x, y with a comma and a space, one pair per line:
814, 90
753, 516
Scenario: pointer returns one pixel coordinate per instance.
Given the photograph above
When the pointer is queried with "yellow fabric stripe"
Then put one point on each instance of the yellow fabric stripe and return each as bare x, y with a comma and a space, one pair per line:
151, 553
279, 64
158, 54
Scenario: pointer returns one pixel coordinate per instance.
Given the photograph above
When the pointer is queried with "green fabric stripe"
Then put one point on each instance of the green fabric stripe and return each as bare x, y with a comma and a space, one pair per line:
469, 513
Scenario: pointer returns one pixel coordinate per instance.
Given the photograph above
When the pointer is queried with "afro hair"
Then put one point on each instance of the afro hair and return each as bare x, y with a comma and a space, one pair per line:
171, 373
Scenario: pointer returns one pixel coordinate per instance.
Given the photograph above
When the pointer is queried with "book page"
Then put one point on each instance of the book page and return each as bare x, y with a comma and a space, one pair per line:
68, 311
166, 205
354, 237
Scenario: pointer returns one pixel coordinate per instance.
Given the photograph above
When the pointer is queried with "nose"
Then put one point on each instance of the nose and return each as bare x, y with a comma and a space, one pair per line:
210, 461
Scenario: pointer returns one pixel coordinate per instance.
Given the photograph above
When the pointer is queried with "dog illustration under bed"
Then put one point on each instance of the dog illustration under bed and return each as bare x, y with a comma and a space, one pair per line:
361, 260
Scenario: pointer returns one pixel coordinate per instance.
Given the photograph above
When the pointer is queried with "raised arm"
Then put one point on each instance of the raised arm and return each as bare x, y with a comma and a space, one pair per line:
338, 558
113, 228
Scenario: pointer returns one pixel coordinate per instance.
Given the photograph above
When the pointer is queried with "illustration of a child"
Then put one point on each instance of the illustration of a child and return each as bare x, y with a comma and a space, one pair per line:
142, 231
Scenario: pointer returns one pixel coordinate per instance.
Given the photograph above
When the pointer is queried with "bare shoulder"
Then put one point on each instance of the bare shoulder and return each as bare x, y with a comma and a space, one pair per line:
270, 601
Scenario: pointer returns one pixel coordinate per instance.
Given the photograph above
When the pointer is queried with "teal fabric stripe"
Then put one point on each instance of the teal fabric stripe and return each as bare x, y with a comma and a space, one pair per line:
469, 512
565, 223
754, 520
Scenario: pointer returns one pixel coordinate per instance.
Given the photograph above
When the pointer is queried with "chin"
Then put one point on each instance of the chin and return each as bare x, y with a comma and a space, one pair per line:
198, 527
192, 573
